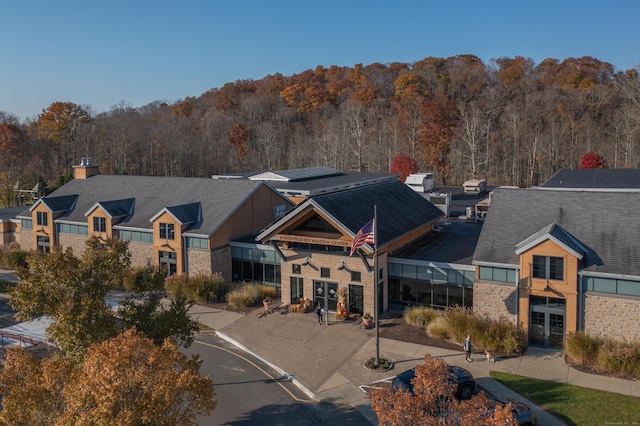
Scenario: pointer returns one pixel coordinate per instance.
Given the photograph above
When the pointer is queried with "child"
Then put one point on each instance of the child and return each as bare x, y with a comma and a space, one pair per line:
489, 356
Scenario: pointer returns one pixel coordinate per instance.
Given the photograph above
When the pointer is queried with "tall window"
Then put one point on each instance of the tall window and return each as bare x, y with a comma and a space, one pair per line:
99, 224
297, 293
548, 267
166, 231
42, 218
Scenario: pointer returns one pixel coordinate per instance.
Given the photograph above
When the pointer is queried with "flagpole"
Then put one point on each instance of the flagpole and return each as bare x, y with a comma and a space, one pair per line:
376, 362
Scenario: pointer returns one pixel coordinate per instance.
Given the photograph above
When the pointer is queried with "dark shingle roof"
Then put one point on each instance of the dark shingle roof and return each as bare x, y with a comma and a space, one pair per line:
399, 209
594, 179
605, 224
218, 198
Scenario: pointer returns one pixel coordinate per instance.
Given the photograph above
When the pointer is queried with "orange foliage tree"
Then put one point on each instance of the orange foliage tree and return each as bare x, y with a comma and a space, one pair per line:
433, 402
239, 139
126, 380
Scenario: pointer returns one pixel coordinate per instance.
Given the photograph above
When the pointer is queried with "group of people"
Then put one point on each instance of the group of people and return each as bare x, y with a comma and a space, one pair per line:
467, 346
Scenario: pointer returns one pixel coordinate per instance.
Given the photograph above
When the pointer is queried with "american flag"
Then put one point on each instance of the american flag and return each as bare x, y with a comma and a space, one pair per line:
364, 236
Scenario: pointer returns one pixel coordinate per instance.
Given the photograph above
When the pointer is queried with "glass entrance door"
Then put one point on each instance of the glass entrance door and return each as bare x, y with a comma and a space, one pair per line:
327, 293
547, 321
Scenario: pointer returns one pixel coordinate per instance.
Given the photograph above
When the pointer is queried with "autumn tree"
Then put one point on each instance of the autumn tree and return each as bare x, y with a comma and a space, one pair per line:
126, 380
11, 149
439, 118
239, 139
404, 165
60, 124
72, 292
592, 160
433, 402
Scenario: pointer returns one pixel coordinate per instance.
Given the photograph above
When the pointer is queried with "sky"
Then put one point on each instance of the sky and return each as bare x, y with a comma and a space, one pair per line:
100, 54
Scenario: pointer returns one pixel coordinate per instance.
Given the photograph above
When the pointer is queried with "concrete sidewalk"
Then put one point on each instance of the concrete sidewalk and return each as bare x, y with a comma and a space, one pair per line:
327, 362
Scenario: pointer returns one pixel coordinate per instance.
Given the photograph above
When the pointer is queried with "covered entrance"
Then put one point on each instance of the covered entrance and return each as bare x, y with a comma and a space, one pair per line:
547, 321
326, 293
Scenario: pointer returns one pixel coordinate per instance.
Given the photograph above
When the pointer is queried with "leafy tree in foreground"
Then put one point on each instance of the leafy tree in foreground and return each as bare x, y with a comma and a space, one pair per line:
72, 292
127, 380
434, 402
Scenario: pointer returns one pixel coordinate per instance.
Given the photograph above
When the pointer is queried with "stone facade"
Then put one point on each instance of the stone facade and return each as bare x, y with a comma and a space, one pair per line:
494, 300
141, 254
73, 241
612, 317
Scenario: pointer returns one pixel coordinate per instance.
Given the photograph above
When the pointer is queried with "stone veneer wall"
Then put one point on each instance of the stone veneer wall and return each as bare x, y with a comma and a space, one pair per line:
141, 254
199, 261
74, 241
612, 317
494, 300
25, 238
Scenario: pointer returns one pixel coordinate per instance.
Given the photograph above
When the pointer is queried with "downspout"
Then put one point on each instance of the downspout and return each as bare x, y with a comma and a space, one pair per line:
517, 296
580, 310
185, 256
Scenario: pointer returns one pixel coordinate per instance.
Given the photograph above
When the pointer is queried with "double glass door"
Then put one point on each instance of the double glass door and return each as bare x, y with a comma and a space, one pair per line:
547, 321
326, 293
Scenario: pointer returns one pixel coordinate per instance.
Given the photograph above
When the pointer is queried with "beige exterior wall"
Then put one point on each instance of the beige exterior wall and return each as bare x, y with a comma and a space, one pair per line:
73, 241
333, 261
494, 300
612, 317
141, 254
198, 261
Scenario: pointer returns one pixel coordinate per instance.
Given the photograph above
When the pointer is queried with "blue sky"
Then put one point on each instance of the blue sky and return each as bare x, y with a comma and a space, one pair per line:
102, 53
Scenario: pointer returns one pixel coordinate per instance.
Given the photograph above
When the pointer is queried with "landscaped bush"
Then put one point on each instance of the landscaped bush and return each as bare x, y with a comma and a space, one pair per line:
244, 294
12, 257
494, 335
605, 355
200, 288
267, 291
439, 329
426, 315
144, 279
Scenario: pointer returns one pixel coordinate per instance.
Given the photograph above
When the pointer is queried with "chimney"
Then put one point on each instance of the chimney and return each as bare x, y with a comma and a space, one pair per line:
86, 169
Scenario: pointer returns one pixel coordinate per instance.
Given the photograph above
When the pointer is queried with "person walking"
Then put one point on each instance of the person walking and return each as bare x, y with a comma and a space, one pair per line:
468, 347
319, 312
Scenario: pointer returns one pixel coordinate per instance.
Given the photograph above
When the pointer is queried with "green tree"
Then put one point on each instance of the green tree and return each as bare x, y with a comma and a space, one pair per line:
72, 291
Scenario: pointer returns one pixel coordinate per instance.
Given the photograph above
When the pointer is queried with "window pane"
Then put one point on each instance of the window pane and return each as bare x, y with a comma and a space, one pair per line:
499, 274
486, 273
604, 285
409, 271
455, 296
629, 287
556, 268
539, 267
511, 275
439, 275
395, 269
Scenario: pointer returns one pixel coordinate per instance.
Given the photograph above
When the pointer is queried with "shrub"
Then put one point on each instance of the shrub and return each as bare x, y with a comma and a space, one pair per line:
200, 288
501, 335
245, 294
17, 259
439, 328
267, 291
144, 279
620, 358
426, 315
582, 348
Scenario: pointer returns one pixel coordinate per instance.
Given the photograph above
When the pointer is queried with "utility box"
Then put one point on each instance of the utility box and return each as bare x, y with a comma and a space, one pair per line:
475, 186
441, 200
420, 182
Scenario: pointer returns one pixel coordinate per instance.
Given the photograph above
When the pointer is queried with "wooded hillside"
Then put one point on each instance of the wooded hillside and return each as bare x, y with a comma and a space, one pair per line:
511, 122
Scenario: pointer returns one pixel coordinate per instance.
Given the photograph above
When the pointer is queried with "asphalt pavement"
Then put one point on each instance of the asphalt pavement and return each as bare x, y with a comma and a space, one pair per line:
327, 361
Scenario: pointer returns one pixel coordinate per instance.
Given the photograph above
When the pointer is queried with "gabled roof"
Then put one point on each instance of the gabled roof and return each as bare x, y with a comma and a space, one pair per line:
400, 210
594, 179
605, 224
295, 175
219, 198
115, 208
57, 204
556, 233
183, 214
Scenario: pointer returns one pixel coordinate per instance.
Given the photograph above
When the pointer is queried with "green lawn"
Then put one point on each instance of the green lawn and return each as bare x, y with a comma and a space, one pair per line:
5, 286
575, 405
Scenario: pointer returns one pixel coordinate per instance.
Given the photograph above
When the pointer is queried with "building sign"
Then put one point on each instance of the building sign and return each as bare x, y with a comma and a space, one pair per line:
312, 240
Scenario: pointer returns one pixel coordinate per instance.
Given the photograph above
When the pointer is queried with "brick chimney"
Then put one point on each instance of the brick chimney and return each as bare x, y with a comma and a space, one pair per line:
86, 169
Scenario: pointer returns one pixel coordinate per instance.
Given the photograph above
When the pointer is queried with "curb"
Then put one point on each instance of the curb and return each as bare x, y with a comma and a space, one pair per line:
275, 367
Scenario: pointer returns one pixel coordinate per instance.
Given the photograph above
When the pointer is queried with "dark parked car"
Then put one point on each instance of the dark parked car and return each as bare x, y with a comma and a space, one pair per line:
524, 414
463, 378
